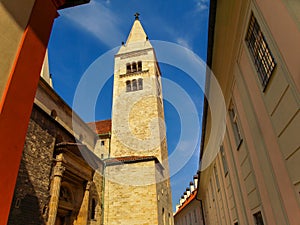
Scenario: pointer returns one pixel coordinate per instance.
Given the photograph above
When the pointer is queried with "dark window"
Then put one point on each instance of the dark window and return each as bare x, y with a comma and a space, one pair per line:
140, 84
224, 162
235, 127
139, 66
134, 67
261, 55
258, 218
128, 68
53, 114
134, 85
102, 143
212, 191
128, 86
217, 178
93, 209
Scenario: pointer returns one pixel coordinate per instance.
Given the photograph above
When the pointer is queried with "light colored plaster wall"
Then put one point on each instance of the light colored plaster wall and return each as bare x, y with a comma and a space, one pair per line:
192, 210
14, 16
272, 115
267, 177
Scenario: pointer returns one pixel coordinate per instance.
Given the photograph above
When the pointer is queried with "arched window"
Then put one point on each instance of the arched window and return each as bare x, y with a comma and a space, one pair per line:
93, 209
140, 84
139, 65
128, 86
134, 85
128, 68
134, 67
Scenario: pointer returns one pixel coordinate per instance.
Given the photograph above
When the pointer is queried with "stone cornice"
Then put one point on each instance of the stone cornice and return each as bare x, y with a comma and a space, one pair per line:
133, 53
133, 73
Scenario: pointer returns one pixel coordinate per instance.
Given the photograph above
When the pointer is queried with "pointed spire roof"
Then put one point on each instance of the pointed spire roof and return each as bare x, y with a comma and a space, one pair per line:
137, 38
137, 32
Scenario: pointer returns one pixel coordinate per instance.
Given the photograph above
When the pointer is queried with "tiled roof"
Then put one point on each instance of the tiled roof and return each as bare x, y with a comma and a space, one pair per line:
129, 159
187, 201
101, 127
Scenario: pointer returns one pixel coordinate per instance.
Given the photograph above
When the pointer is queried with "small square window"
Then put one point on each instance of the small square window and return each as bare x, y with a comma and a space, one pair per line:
258, 219
102, 143
235, 126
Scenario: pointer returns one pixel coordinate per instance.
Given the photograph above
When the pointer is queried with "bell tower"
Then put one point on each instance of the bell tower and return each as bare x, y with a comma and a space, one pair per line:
137, 116
137, 187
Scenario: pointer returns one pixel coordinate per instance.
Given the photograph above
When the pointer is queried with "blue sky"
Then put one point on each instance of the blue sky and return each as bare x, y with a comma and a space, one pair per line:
82, 34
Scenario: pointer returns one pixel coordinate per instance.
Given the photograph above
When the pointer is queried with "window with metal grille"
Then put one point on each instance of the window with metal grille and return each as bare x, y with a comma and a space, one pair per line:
261, 55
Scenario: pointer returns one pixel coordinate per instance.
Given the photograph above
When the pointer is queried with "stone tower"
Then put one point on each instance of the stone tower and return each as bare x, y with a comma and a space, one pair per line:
137, 186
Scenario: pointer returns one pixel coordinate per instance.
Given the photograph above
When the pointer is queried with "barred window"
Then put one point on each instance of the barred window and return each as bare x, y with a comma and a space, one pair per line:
261, 55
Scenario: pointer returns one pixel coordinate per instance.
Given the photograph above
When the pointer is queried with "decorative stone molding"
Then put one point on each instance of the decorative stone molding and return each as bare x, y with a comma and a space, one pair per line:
59, 170
133, 73
133, 54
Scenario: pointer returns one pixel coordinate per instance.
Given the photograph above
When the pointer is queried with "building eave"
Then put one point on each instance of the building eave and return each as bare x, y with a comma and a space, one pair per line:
210, 45
72, 3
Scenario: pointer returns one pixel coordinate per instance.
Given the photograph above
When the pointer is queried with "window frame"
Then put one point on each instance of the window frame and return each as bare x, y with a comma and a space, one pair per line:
128, 86
140, 84
134, 85
238, 137
260, 52
258, 222
224, 161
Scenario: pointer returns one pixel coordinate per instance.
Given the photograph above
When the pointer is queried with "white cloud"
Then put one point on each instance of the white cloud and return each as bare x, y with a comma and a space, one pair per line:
201, 5
98, 20
183, 42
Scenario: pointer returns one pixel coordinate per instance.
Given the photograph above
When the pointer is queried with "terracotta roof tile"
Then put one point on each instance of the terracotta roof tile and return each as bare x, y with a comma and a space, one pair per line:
101, 126
187, 201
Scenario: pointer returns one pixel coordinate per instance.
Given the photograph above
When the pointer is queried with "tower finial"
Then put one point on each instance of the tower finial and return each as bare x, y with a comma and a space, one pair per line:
136, 15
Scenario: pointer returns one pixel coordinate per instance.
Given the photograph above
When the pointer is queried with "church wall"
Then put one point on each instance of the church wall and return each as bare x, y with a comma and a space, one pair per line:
52, 104
128, 197
32, 191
